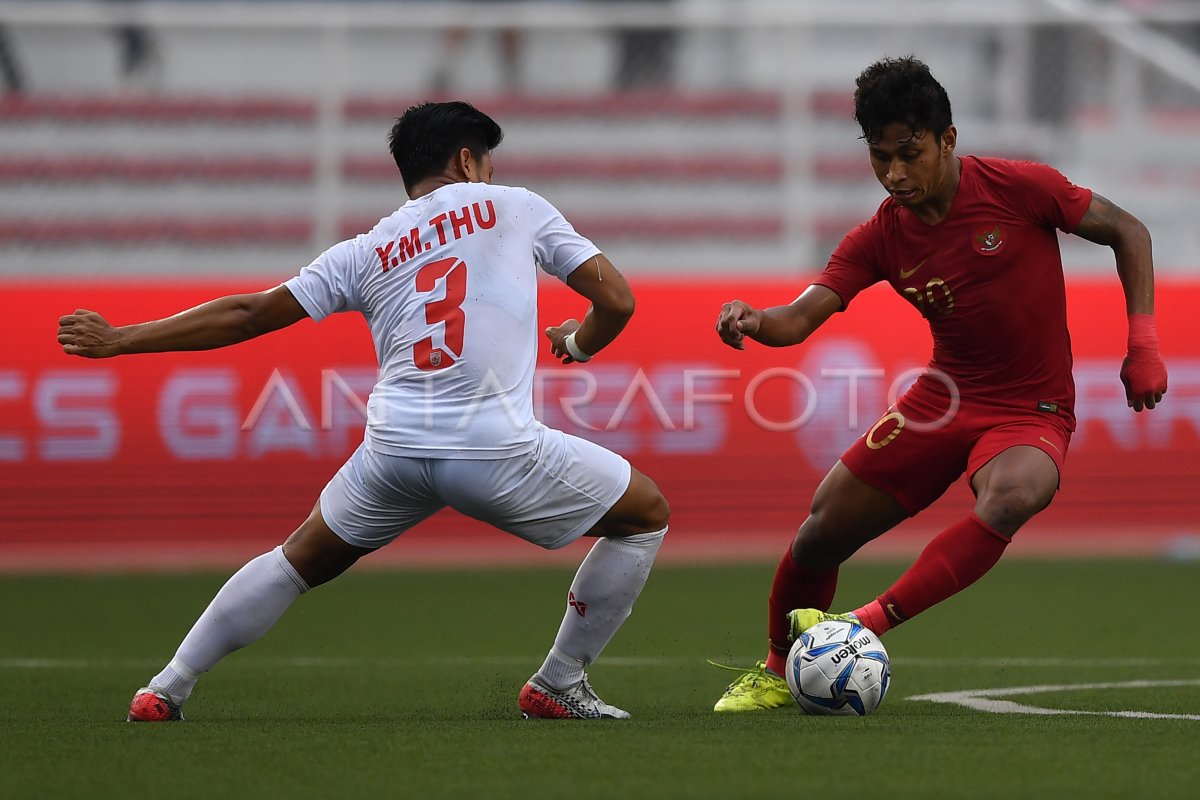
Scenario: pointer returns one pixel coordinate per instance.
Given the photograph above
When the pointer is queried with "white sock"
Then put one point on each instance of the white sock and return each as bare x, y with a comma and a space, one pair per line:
603, 593
246, 607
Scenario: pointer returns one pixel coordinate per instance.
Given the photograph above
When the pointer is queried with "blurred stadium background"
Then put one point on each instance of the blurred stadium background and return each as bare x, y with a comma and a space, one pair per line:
155, 154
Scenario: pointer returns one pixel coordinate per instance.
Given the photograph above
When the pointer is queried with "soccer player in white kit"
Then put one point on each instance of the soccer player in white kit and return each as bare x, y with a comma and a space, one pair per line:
448, 286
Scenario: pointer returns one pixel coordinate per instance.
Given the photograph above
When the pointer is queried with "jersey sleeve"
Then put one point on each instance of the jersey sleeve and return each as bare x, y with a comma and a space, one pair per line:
1049, 198
557, 248
327, 285
853, 265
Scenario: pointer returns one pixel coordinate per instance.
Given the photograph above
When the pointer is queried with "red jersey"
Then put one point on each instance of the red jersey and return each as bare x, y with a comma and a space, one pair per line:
988, 278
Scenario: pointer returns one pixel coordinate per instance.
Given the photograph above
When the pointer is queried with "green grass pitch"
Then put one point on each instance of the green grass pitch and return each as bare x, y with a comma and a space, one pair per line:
403, 684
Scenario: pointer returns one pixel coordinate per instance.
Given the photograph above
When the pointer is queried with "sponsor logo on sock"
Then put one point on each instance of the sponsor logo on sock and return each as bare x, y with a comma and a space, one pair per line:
894, 613
578, 605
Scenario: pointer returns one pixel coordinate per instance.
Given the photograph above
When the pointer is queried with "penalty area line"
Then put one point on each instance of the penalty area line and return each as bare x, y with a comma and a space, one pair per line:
985, 699
1018, 661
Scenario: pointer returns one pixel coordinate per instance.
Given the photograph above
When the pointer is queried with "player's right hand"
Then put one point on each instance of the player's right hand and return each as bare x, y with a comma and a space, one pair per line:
86, 333
736, 321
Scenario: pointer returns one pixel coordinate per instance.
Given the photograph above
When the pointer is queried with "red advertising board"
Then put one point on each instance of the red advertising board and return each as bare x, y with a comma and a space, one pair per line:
225, 451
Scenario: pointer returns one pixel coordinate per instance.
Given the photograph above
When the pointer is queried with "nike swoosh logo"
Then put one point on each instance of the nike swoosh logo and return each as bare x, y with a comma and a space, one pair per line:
1052, 444
908, 273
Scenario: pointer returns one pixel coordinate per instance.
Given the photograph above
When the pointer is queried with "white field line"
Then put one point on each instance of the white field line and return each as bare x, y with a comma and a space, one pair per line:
976, 699
612, 661
984, 699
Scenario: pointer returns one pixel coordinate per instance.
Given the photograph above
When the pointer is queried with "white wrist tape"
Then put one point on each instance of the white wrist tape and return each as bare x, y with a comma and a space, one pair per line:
575, 351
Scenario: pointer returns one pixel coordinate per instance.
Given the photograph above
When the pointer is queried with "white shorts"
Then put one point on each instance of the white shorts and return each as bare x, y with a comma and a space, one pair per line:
549, 496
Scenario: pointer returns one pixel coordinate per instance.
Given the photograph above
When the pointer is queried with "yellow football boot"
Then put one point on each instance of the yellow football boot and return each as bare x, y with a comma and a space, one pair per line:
754, 690
804, 618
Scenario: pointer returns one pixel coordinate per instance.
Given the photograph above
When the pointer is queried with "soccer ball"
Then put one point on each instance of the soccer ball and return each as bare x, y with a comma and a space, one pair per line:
838, 668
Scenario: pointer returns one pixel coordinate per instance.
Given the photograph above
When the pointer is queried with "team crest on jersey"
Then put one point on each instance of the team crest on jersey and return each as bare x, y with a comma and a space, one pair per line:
988, 240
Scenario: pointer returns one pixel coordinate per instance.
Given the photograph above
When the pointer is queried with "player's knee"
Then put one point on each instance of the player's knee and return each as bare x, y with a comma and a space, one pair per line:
650, 511
642, 509
657, 512
317, 554
1008, 508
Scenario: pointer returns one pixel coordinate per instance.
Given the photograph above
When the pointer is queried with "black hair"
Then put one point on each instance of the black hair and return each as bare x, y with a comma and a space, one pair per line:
900, 90
427, 136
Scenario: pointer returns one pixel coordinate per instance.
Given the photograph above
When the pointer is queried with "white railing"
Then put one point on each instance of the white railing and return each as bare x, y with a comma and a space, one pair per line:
777, 46
543, 15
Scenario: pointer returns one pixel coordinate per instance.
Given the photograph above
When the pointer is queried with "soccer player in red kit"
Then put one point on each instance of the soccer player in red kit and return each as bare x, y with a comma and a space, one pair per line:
971, 242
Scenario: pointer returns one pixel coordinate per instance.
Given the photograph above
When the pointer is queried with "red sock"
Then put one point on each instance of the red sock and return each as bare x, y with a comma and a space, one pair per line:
874, 617
794, 587
956, 558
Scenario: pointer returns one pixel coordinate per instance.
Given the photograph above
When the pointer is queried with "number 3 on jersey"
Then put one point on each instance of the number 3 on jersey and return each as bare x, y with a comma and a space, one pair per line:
448, 310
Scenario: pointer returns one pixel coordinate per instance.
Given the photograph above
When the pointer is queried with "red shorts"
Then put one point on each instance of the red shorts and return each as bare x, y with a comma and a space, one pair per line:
916, 450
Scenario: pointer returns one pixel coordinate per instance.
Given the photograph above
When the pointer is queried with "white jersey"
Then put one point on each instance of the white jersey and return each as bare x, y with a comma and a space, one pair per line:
448, 286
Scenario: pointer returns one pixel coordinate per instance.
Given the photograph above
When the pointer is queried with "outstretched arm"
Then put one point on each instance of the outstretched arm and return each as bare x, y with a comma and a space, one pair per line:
217, 323
612, 306
778, 326
1143, 372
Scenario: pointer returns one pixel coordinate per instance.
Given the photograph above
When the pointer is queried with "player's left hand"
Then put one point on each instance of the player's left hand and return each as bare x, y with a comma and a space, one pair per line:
86, 333
557, 334
1145, 378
